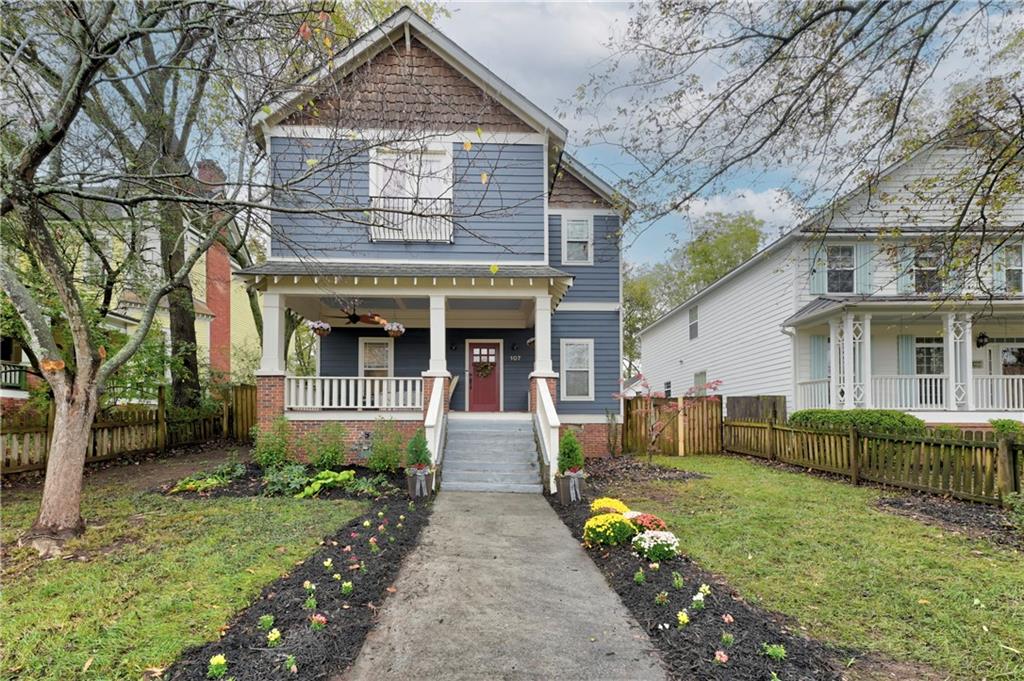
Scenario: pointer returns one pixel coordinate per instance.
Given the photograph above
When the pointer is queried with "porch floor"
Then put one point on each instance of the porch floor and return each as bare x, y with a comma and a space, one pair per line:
493, 564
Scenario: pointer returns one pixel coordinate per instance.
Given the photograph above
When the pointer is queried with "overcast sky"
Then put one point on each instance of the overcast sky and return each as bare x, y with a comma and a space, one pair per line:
546, 50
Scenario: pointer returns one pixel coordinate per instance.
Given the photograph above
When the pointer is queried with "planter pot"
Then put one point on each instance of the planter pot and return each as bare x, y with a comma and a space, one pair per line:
410, 482
564, 484
395, 334
322, 332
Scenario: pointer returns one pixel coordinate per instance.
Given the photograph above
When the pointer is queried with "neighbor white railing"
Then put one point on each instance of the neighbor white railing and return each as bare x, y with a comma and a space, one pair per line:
435, 423
999, 392
547, 425
813, 394
909, 392
356, 393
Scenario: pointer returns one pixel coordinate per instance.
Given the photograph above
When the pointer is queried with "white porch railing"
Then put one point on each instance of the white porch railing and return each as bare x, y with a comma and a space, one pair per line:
999, 392
909, 392
356, 393
813, 394
435, 423
547, 425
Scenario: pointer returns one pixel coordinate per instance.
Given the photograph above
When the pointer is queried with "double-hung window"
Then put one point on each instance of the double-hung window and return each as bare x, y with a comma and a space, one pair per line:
700, 381
693, 322
1012, 257
577, 365
840, 266
577, 241
411, 194
926, 270
376, 357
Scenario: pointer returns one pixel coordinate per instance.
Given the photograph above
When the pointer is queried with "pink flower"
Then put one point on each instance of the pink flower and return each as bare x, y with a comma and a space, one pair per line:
721, 657
347, 548
353, 534
320, 619
373, 540
727, 618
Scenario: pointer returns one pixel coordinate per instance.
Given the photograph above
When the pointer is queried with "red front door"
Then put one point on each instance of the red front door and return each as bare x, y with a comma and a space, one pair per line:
484, 377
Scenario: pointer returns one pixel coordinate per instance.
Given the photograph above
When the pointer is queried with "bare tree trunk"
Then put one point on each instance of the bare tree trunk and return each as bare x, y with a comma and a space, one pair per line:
60, 510
185, 387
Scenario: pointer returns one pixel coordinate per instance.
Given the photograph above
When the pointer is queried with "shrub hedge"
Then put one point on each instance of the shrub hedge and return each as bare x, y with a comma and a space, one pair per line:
570, 453
865, 420
1008, 428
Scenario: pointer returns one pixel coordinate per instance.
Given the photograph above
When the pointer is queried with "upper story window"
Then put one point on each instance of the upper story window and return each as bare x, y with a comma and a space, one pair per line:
668, 388
693, 322
411, 193
926, 270
1012, 257
577, 363
577, 241
840, 264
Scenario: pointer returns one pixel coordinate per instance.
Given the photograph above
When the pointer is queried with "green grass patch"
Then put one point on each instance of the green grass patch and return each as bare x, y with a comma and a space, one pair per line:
152, 576
819, 551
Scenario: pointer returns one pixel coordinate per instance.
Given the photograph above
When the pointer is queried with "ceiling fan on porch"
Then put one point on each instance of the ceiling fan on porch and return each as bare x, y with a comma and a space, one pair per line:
349, 308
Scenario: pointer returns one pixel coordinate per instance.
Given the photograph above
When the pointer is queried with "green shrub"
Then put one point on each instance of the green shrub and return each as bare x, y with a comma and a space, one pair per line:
1015, 504
864, 420
290, 478
570, 453
1009, 429
947, 430
326, 448
325, 480
417, 453
202, 481
270, 446
385, 447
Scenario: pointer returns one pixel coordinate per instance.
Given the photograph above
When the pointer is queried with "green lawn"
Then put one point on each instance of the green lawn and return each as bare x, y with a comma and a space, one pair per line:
162, 574
818, 550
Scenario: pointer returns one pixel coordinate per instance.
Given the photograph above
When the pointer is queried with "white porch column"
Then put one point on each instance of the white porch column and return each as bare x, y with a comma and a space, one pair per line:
438, 358
848, 400
542, 335
272, 361
834, 366
950, 359
865, 361
969, 361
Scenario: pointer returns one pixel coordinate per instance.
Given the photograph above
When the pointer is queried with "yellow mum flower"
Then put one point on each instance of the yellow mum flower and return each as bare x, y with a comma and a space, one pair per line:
682, 619
608, 505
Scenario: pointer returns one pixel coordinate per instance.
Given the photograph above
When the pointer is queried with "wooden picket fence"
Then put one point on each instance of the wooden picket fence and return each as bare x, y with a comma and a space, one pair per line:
693, 425
978, 467
24, 446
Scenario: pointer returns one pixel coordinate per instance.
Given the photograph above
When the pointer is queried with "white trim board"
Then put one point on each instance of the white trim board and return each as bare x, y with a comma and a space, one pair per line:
369, 416
588, 307
393, 261
382, 135
501, 370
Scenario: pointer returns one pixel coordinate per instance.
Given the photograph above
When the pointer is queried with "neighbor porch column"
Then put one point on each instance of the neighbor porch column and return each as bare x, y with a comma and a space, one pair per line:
848, 378
969, 361
865, 361
542, 335
834, 364
438, 358
950, 359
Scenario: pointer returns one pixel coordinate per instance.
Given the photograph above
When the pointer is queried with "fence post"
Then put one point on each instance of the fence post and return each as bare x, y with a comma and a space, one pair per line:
1004, 470
225, 404
771, 439
161, 418
854, 456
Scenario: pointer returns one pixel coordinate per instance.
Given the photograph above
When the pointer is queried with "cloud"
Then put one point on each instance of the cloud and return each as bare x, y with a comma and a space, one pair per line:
774, 206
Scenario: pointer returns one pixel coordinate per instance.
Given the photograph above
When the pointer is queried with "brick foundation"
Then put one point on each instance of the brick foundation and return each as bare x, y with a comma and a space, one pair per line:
552, 389
357, 437
593, 437
11, 405
428, 389
269, 399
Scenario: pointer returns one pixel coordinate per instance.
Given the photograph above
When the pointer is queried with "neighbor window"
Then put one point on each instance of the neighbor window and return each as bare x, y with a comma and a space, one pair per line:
577, 364
693, 322
668, 388
411, 194
1013, 267
928, 357
840, 269
926, 270
577, 241
700, 379
376, 357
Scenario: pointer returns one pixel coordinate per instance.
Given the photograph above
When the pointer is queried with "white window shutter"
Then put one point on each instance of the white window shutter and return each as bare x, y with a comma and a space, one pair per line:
819, 357
999, 268
818, 270
905, 363
864, 263
905, 279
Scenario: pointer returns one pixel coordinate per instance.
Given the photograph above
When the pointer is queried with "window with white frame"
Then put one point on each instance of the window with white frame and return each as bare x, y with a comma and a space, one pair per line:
693, 322
700, 380
577, 240
1013, 267
376, 357
926, 269
411, 193
577, 364
840, 266
929, 356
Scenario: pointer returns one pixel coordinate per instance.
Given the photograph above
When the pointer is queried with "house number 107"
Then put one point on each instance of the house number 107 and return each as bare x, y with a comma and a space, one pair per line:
514, 358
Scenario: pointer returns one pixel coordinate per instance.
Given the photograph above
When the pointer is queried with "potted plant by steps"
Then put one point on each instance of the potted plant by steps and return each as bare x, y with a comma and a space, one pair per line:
419, 474
570, 470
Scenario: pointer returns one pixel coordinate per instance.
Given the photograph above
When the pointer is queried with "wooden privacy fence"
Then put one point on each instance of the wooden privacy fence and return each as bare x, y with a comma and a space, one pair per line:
979, 469
24, 447
693, 425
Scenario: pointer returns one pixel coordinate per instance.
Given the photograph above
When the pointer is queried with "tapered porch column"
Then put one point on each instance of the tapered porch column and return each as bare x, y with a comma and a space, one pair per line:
438, 358
542, 335
272, 361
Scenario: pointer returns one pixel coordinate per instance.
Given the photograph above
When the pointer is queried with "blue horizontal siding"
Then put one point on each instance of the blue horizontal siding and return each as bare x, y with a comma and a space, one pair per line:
599, 282
603, 328
504, 218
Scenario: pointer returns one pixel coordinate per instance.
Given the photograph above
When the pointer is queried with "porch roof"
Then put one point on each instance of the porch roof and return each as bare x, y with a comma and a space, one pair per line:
824, 306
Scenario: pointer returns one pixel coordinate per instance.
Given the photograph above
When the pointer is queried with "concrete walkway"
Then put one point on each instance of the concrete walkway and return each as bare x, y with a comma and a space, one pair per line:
499, 589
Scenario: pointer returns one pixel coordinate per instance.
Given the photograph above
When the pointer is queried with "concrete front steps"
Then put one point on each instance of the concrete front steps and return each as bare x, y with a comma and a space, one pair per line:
490, 453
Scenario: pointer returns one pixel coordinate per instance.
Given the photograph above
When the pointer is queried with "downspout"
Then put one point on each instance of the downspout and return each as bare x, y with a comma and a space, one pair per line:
791, 332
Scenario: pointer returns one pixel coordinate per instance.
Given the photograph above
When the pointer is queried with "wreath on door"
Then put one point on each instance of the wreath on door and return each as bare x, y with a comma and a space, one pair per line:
483, 369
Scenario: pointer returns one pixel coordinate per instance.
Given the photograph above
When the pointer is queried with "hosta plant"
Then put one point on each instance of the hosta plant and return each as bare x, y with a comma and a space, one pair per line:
656, 545
608, 528
608, 505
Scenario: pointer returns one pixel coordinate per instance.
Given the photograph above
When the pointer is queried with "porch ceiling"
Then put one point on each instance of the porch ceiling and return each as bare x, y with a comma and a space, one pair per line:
413, 312
902, 307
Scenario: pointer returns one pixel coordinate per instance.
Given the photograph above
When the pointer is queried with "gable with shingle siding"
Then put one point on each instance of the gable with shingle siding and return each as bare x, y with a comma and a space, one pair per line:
399, 88
570, 192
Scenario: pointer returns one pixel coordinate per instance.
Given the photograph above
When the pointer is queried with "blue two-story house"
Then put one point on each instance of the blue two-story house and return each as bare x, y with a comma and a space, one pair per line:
462, 270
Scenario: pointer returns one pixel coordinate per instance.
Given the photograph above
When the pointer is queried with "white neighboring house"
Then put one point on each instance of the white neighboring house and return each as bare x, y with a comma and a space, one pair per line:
846, 311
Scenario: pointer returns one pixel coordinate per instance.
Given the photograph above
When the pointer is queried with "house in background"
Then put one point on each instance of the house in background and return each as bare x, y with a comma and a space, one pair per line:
848, 310
496, 252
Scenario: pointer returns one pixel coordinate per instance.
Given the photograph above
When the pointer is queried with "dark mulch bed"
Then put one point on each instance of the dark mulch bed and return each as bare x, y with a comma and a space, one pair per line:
689, 653
318, 654
974, 520
251, 484
633, 469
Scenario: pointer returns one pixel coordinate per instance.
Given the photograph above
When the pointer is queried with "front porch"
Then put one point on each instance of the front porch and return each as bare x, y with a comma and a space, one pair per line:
956, 367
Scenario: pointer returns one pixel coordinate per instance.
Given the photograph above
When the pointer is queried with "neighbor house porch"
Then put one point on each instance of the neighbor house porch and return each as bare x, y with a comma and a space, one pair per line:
962, 366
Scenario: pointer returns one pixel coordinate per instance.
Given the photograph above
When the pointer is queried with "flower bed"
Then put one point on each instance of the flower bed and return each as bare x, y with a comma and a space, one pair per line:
251, 483
312, 622
702, 628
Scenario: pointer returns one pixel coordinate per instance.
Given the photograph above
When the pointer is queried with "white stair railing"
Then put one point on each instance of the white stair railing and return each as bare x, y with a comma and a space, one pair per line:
547, 425
434, 425
358, 393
